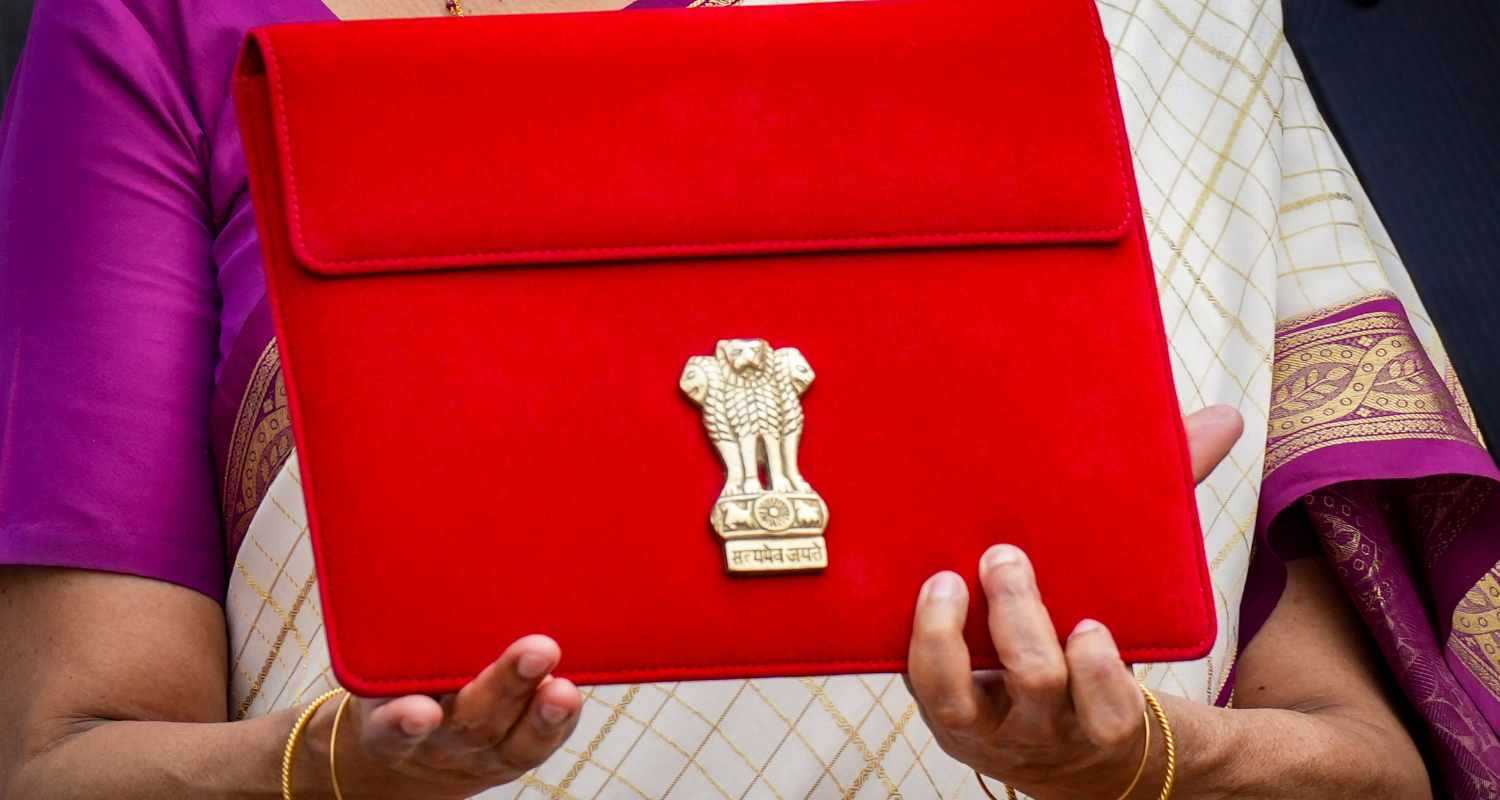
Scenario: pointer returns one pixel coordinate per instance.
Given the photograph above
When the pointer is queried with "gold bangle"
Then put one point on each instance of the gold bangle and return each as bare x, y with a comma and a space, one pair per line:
1166, 733
1145, 755
1010, 794
1153, 708
333, 748
291, 740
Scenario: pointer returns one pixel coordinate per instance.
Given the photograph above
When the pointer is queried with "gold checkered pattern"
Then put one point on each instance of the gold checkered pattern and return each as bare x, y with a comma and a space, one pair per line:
1253, 215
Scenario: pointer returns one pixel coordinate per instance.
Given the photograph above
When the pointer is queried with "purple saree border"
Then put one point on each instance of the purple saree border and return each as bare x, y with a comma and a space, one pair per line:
1407, 460
1372, 465
250, 425
1285, 483
257, 333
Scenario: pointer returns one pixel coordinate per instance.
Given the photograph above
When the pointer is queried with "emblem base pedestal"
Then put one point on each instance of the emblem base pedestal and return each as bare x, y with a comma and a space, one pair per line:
768, 532
779, 554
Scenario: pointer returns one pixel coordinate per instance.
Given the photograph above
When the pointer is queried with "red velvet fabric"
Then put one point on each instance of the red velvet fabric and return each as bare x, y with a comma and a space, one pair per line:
491, 256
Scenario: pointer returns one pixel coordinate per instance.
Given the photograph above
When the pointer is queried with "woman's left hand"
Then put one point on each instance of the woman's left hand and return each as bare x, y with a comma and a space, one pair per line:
1056, 721
1059, 720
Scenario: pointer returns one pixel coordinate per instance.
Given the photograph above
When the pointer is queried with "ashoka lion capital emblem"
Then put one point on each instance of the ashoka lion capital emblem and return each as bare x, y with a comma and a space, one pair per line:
752, 408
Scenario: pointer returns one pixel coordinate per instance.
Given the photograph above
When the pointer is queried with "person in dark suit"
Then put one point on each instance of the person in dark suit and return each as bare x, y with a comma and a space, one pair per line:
1410, 90
14, 16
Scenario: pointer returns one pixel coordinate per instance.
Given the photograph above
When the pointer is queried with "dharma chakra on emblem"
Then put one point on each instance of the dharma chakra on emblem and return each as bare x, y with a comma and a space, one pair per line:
752, 407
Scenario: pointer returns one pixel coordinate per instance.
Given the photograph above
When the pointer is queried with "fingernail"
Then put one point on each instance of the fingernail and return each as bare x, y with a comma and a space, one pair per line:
1086, 626
1001, 554
942, 587
552, 714
532, 665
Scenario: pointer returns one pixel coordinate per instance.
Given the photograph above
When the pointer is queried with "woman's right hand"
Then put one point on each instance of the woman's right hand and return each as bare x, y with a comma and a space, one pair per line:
502, 724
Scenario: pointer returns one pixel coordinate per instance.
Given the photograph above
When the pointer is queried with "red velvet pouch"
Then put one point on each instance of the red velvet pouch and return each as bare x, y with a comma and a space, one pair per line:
493, 243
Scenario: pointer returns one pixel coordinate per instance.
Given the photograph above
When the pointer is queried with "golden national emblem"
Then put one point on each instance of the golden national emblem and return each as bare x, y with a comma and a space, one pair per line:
770, 518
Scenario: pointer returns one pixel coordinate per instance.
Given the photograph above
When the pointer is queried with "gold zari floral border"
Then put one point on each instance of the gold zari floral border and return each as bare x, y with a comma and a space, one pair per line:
1476, 630
1360, 379
1361, 560
259, 445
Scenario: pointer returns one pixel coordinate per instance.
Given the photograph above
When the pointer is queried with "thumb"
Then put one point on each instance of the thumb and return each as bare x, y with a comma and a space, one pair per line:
390, 729
1211, 432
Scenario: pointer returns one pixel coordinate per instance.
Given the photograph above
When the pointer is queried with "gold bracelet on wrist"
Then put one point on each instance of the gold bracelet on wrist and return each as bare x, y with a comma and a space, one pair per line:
333, 748
1153, 709
295, 736
1145, 756
1170, 775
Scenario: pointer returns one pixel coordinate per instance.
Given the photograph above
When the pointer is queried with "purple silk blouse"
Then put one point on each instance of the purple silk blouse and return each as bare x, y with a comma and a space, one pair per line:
128, 267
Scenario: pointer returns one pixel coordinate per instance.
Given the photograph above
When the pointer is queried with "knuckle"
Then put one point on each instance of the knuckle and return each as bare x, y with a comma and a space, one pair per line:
951, 745
478, 733
528, 754
516, 763
1042, 676
953, 715
1100, 665
1113, 731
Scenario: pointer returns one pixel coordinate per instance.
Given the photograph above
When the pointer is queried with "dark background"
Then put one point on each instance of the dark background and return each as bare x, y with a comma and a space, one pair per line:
1411, 88
14, 14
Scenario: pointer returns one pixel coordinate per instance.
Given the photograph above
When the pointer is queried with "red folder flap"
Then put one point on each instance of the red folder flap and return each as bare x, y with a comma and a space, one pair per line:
637, 135
493, 243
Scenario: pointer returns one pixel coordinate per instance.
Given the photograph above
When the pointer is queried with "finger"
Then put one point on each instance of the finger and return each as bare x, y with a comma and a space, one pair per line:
484, 710
391, 729
939, 671
1105, 697
1211, 432
1036, 675
549, 719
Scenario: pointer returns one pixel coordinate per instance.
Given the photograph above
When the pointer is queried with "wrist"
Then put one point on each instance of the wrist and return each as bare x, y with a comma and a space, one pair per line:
1205, 747
1153, 776
310, 773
